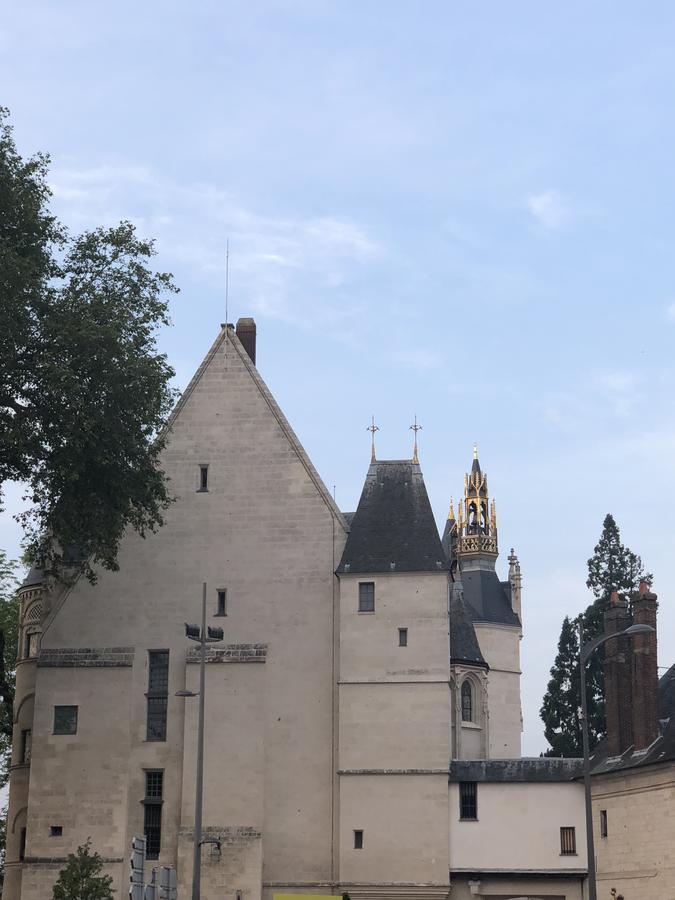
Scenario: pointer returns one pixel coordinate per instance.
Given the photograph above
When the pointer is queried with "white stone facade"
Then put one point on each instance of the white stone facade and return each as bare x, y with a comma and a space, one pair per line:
319, 723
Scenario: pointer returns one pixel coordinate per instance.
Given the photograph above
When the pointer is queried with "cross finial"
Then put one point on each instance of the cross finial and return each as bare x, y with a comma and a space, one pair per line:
415, 428
372, 428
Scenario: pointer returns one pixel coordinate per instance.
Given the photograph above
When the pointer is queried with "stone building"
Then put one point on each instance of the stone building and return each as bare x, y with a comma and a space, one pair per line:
633, 770
366, 662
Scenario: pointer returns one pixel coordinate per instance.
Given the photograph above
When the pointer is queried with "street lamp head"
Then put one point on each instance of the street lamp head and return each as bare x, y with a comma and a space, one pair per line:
639, 629
192, 631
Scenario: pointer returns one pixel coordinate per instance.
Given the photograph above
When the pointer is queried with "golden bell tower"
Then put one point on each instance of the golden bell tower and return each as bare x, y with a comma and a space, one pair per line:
476, 529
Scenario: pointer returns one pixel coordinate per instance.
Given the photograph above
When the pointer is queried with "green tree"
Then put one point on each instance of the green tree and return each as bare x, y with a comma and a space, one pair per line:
81, 879
612, 567
85, 393
9, 638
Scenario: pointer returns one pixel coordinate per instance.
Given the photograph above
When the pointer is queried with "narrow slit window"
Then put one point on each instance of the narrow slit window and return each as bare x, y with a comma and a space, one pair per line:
221, 602
403, 637
152, 824
603, 823
468, 800
367, 596
26, 743
358, 839
568, 841
203, 478
22, 845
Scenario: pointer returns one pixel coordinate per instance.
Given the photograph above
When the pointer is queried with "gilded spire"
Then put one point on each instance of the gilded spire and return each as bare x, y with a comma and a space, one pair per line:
372, 428
451, 512
415, 428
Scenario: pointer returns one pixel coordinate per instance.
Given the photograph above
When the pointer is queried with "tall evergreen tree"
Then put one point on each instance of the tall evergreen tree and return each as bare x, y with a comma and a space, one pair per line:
81, 879
612, 567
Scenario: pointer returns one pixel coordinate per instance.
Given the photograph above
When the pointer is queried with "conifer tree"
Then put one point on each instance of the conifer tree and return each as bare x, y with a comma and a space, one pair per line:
81, 879
612, 567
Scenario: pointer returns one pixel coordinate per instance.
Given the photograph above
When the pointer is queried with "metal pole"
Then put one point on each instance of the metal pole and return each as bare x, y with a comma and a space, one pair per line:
590, 843
199, 791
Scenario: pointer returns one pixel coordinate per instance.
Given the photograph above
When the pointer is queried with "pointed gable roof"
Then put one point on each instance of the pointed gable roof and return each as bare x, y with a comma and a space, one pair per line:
393, 524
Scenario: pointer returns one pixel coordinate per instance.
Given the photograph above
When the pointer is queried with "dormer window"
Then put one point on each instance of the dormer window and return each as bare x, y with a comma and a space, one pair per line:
467, 702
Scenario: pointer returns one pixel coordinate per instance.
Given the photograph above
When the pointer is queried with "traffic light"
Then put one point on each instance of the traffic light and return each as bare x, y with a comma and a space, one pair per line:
137, 862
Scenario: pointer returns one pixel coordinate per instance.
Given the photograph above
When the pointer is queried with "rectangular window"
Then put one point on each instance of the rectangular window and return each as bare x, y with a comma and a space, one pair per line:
358, 839
31, 647
22, 845
367, 596
568, 841
154, 789
203, 478
468, 800
221, 608
158, 692
26, 742
56, 830
403, 637
603, 823
65, 720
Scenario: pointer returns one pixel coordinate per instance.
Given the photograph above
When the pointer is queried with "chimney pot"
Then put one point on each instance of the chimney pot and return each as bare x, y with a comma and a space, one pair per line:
246, 332
644, 587
614, 598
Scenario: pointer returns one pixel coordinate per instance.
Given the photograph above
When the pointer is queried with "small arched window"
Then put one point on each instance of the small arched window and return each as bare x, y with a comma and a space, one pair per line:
467, 702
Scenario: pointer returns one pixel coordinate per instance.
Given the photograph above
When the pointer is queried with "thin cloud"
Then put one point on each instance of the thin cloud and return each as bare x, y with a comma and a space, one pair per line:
670, 311
296, 269
549, 209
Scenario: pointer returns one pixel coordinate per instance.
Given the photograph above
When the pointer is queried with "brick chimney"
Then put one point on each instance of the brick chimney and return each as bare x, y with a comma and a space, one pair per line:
645, 675
246, 332
617, 675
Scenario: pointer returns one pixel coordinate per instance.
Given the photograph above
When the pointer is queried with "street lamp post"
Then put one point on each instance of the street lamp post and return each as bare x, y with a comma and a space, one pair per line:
203, 637
585, 651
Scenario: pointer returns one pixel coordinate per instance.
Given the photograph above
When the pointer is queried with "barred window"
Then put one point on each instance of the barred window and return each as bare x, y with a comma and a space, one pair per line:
468, 800
152, 825
568, 841
367, 596
403, 637
65, 720
158, 691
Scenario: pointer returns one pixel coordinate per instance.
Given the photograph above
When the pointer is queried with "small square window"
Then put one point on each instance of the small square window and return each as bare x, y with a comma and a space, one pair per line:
367, 596
568, 841
603, 823
65, 720
221, 607
203, 478
468, 800
358, 839
403, 637
56, 830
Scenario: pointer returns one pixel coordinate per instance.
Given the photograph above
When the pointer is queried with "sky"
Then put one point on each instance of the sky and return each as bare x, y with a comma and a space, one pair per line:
456, 210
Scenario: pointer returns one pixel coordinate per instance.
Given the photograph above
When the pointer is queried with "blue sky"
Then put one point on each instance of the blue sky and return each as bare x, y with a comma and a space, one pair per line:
457, 210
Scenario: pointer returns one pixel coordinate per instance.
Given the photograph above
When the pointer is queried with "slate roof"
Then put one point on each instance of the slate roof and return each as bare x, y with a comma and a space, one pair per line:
34, 577
393, 523
488, 598
544, 768
663, 748
463, 643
